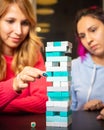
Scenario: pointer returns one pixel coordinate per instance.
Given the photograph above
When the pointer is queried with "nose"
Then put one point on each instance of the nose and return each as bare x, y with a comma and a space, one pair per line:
18, 29
89, 39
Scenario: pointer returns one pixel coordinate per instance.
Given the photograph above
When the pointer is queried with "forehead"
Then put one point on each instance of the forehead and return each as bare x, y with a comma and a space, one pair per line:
86, 22
14, 11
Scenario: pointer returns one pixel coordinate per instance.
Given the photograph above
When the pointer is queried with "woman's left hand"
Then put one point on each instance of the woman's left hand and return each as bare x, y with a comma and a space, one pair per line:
101, 115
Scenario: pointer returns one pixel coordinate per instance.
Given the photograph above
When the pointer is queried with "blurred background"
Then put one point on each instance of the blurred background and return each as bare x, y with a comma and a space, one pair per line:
55, 19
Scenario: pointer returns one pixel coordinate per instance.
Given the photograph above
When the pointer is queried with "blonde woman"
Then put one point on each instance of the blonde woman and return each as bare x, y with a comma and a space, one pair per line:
22, 86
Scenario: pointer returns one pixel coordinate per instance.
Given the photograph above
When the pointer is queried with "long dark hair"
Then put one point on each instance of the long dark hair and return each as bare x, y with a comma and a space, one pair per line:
94, 12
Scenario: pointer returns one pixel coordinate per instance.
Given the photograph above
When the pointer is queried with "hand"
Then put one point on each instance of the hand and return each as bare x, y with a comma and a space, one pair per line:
101, 115
28, 74
93, 105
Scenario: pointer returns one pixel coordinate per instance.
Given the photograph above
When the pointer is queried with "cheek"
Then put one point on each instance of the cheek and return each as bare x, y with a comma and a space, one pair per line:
4, 30
100, 36
26, 32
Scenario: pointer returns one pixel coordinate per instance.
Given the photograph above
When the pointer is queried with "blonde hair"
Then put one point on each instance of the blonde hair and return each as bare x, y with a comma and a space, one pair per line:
27, 53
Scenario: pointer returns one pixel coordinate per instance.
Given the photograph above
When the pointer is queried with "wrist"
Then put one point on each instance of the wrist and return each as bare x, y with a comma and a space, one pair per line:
15, 85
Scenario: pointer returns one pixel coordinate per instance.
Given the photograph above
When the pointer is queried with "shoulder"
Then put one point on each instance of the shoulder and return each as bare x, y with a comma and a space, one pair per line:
76, 61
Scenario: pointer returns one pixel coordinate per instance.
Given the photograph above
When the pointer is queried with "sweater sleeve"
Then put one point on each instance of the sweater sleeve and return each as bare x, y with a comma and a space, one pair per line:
6, 93
33, 99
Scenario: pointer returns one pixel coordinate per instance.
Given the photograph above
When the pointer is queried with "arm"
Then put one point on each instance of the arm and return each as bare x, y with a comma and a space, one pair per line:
7, 94
73, 98
33, 98
73, 94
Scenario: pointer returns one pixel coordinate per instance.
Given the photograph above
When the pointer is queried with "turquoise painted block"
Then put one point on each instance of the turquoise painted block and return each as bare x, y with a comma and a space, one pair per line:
57, 43
54, 94
59, 95
49, 113
50, 73
62, 73
56, 119
52, 113
59, 113
64, 114
49, 54
65, 94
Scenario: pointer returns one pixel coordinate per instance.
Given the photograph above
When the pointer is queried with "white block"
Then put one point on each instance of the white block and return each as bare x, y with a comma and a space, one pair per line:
57, 49
58, 103
65, 64
60, 124
58, 58
57, 83
65, 83
60, 64
63, 78
58, 68
59, 89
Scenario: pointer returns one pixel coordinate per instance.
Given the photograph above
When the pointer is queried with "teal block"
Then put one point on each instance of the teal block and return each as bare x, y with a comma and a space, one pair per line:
64, 114
56, 119
49, 54
65, 94
59, 113
62, 73
52, 113
50, 74
59, 96
57, 43
49, 113
54, 94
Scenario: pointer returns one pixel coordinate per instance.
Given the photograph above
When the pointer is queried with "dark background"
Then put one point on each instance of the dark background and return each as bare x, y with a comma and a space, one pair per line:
62, 21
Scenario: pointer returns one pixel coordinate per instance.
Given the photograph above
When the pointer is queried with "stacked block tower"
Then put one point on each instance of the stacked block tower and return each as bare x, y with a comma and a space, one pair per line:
58, 67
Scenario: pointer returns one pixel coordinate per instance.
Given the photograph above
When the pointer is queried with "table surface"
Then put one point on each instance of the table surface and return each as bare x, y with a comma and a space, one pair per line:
81, 120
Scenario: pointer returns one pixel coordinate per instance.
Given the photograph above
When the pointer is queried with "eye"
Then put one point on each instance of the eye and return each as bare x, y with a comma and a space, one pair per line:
10, 21
25, 23
93, 29
81, 36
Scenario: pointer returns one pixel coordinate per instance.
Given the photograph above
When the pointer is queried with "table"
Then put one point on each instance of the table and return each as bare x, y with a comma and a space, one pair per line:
81, 120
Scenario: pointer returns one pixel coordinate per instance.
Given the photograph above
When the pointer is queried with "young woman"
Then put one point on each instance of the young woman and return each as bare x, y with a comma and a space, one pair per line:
22, 86
88, 69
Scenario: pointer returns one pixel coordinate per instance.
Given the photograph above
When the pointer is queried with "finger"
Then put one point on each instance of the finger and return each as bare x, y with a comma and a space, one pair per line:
23, 85
99, 106
99, 117
27, 78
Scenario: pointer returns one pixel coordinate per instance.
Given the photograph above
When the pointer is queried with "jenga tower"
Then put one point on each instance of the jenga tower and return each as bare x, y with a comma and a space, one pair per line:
58, 67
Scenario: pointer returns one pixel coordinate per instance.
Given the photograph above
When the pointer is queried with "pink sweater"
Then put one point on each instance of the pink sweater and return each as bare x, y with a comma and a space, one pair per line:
32, 99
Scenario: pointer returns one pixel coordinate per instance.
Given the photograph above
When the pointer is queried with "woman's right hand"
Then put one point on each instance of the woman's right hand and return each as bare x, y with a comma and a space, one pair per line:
28, 74
93, 105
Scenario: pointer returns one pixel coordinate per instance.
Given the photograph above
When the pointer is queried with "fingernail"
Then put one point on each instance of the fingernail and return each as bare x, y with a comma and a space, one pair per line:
44, 74
39, 77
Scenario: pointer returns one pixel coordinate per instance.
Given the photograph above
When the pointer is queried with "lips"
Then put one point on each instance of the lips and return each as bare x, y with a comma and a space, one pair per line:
94, 47
16, 39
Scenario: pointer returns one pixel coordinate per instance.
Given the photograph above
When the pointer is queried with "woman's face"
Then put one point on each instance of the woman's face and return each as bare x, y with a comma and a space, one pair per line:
91, 34
14, 27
